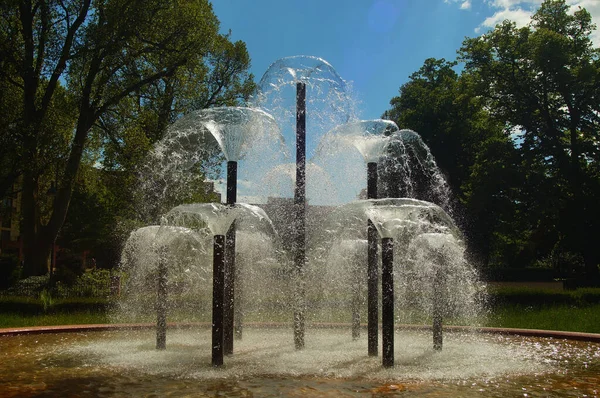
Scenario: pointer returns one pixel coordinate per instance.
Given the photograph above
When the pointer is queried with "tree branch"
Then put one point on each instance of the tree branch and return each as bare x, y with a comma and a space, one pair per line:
41, 52
65, 55
136, 86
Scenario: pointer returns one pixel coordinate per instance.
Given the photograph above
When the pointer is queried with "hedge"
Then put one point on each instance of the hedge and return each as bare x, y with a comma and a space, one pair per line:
36, 306
543, 297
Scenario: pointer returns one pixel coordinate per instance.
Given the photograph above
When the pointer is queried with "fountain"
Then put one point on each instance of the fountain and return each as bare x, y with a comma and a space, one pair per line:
302, 269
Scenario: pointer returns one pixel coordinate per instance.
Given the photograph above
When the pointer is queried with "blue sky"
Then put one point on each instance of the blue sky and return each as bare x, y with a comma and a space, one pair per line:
375, 44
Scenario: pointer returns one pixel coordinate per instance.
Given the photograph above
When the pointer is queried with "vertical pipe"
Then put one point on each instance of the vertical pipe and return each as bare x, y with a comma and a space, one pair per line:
229, 291
161, 303
438, 303
231, 182
230, 262
372, 180
356, 301
387, 300
372, 268
300, 216
218, 293
237, 304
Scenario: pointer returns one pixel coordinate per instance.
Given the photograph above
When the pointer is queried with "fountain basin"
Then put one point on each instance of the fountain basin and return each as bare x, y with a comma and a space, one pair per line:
120, 359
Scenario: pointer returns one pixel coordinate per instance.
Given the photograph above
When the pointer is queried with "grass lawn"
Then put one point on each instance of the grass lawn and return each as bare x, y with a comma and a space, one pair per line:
526, 308
568, 318
11, 320
559, 317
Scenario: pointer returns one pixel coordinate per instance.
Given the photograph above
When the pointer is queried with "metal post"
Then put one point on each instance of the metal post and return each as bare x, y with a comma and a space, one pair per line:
237, 304
218, 296
387, 300
230, 262
356, 300
372, 267
300, 216
438, 302
231, 182
161, 303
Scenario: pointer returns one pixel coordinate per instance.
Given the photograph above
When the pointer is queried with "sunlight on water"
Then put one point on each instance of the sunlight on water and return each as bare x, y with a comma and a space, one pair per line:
266, 364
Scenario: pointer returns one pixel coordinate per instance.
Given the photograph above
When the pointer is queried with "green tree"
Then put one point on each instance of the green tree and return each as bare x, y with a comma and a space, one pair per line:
106, 53
440, 105
543, 79
443, 107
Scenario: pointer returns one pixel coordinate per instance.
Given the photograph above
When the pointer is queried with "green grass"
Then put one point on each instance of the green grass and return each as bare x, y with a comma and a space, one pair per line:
577, 311
11, 320
19, 311
559, 317
510, 296
568, 318
528, 308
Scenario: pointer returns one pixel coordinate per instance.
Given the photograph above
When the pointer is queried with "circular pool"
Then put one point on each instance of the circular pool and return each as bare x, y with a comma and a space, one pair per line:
265, 363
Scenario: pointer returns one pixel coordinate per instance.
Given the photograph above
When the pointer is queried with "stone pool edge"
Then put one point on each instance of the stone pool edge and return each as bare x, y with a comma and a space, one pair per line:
557, 334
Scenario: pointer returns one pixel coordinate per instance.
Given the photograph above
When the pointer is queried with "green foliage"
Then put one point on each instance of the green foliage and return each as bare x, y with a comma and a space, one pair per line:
10, 270
467, 143
68, 267
31, 286
46, 299
439, 105
89, 317
517, 133
543, 297
90, 84
542, 80
585, 319
93, 283
29, 306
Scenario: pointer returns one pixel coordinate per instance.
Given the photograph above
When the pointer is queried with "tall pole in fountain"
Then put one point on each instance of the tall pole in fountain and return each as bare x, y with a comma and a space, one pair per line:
387, 300
230, 262
161, 302
300, 214
438, 305
372, 271
218, 293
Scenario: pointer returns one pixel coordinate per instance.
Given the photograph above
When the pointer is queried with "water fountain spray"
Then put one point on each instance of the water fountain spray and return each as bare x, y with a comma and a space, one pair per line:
387, 231
370, 138
372, 148
234, 130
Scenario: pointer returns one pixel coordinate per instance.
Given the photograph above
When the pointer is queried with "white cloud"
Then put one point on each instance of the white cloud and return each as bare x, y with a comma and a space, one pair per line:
593, 7
520, 16
520, 11
513, 3
464, 4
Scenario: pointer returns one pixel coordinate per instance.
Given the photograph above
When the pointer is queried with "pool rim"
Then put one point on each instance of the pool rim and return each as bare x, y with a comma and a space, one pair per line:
556, 334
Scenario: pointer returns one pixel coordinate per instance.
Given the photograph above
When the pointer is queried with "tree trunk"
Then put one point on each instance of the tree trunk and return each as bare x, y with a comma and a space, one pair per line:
35, 244
37, 238
34, 262
578, 231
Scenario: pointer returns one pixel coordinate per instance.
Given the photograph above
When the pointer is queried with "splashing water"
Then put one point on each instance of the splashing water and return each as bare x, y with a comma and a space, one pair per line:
410, 171
329, 98
339, 149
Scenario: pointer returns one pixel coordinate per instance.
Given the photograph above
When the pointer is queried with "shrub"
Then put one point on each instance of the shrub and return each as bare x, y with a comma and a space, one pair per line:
68, 267
541, 297
30, 287
36, 306
10, 270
